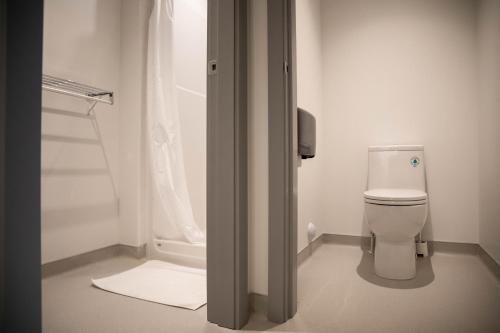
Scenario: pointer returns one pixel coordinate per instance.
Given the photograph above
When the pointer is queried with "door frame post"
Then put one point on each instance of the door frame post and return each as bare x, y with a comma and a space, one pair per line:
227, 232
21, 34
282, 279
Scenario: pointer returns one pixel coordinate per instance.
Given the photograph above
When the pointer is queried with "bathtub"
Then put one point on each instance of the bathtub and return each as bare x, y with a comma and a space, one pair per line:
178, 252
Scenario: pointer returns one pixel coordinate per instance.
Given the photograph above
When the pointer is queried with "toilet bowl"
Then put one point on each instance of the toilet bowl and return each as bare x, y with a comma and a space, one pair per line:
396, 207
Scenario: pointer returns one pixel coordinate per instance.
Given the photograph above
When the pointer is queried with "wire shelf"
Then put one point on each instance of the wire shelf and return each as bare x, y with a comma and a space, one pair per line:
72, 88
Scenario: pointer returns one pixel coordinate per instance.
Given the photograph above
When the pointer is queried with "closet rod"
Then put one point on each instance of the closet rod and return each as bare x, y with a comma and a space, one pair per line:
72, 88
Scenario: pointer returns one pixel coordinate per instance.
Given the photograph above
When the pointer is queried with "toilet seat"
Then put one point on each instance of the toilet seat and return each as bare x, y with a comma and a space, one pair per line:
395, 197
395, 202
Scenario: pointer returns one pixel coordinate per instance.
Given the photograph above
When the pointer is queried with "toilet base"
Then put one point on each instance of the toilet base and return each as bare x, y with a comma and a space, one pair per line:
395, 259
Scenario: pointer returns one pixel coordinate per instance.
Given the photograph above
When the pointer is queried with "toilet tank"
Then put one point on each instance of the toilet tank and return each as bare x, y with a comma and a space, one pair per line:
398, 167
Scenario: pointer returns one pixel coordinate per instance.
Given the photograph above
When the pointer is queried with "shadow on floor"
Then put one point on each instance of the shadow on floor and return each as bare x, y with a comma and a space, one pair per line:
425, 274
259, 323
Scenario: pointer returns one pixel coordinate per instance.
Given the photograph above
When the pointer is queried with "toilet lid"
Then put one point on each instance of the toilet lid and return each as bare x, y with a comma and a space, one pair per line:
395, 194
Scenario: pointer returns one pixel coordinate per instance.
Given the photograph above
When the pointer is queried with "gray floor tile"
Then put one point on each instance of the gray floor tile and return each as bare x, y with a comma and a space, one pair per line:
338, 292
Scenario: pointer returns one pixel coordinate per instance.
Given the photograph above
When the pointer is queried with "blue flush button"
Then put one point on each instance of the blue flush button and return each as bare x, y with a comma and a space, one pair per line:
414, 161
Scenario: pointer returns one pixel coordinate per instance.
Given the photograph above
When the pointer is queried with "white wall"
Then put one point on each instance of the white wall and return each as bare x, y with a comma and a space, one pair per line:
401, 72
133, 53
309, 97
489, 128
79, 167
258, 170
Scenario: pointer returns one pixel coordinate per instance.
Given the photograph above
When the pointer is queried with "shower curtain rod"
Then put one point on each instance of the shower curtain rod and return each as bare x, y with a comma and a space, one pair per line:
75, 89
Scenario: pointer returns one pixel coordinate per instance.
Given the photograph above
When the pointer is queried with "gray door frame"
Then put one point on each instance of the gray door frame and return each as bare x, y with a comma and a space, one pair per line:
21, 32
227, 253
283, 154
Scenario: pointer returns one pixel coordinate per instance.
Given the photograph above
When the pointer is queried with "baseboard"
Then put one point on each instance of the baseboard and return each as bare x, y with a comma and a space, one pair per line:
452, 247
363, 241
66, 264
137, 252
434, 247
491, 264
309, 249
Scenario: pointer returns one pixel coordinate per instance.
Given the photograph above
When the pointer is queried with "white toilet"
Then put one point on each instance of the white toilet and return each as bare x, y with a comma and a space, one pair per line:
396, 207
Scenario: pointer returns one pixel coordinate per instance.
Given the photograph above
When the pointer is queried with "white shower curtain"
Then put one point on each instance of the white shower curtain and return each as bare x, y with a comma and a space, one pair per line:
167, 162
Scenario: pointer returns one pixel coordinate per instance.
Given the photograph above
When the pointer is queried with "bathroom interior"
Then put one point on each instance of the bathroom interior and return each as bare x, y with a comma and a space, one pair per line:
118, 178
387, 81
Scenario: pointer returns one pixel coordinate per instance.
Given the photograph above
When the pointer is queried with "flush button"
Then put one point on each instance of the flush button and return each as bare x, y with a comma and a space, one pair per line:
414, 161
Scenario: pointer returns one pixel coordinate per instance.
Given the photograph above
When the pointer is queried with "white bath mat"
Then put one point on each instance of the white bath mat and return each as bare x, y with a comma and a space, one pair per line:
160, 282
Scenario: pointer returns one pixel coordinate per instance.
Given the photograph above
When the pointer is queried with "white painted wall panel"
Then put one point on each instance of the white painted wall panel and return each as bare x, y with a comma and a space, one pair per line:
401, 72
79, 161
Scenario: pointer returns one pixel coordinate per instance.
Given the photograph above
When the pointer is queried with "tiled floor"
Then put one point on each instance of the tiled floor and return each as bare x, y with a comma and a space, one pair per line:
337, 293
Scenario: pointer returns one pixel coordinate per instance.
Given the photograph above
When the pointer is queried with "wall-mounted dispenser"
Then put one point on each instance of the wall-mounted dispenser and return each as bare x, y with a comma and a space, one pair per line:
306, 133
